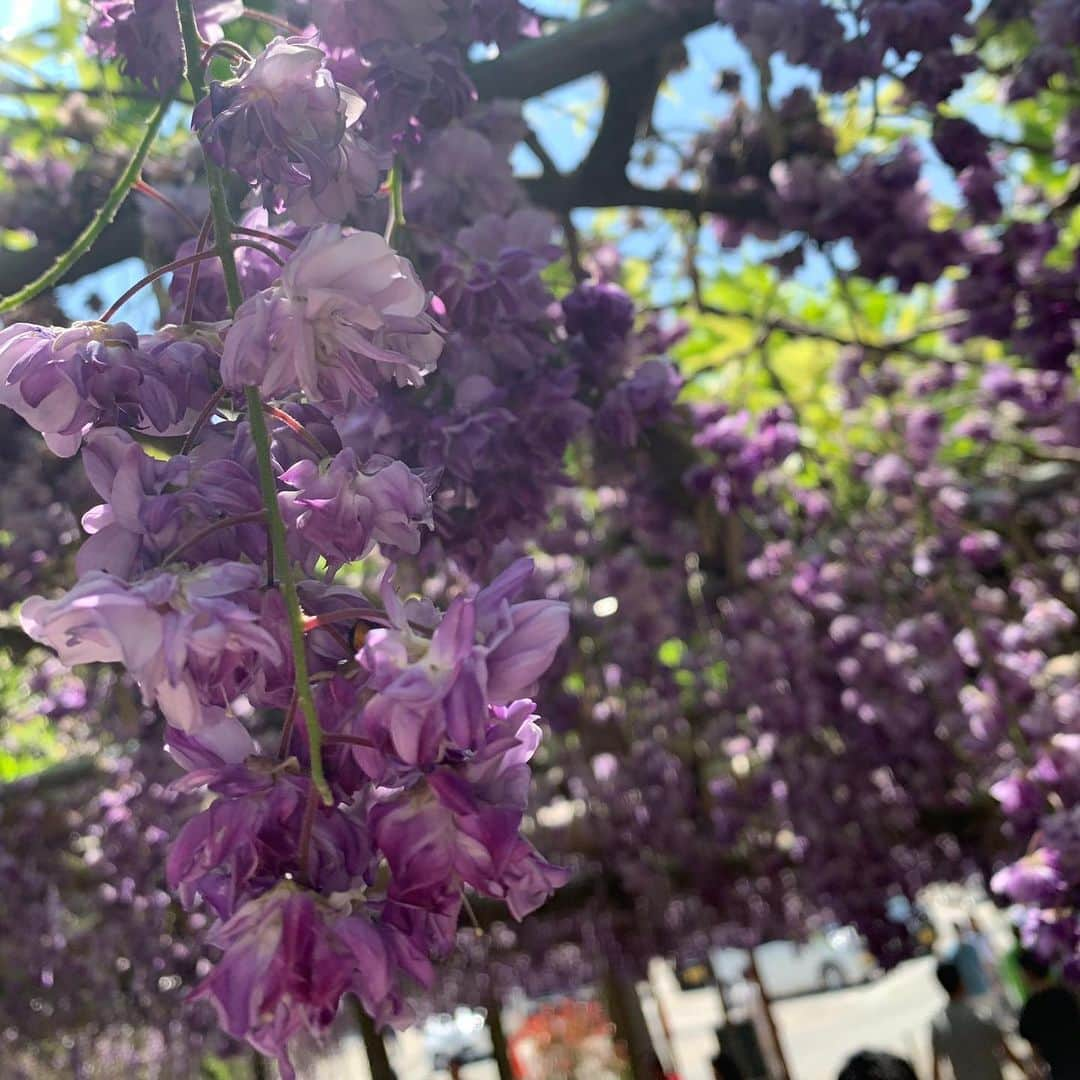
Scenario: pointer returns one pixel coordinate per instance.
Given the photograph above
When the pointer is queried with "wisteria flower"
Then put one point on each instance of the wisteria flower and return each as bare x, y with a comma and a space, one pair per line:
287, 125
65, 381
188, 640
341, 510
349, 313
145, 35
282, 971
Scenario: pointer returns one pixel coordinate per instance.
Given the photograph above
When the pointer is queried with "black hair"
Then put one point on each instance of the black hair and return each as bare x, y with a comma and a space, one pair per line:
725, 1067
1032, 964
876, 1065
949, 977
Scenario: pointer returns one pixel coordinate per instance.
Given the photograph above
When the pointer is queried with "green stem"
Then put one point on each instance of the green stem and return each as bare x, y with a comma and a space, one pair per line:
397, 203
268, 485
219, 206
85, 240
260, 435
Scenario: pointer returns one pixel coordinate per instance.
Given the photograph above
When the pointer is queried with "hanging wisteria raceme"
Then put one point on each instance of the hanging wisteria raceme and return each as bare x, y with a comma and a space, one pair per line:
334, 857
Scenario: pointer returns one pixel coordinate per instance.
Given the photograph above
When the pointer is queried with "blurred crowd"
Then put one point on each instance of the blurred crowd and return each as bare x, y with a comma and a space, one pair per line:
1003, 1008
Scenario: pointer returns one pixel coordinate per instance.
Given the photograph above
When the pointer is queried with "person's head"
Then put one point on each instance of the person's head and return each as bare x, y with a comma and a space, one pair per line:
949, 977
724, 1067
1035, 970
876, 1065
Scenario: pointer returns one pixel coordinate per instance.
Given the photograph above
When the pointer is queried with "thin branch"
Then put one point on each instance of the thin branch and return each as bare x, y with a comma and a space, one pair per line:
193, 280
353, 614
85, 240
621, 38
205, 413
261, 247
225, 49
215, 526
547, 162
567, 194
332, 739
260, 436
13, 88
298, 429
262, 234
151, 192
161, 271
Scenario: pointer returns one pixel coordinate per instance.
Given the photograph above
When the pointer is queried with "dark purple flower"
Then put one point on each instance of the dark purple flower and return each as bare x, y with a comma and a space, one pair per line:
341, 510
602, 314
281, 126
145, 35
282, 971
409, 89
255, 833
640, 402
491, 280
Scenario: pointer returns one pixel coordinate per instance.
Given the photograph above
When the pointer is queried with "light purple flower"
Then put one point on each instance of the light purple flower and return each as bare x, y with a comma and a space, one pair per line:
355, 180
287, 126
65, 381
221, 740
1031, 880
349, 313
185, 639
520, 639
137, 505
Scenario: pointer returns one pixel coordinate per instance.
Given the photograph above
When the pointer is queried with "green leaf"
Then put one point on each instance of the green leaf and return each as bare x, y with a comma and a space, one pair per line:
672, 653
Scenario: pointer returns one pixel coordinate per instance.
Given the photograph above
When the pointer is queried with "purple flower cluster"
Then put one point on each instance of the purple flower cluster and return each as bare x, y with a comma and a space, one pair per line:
63, 382
348, 313
813, 33
145, 36
768, 681
255, 267
1013, 294
882, 206
430, 777
288, 128
338, 868
740, 451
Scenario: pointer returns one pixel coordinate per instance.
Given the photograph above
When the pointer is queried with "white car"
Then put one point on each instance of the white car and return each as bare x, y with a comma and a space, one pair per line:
464, 1037
827, 961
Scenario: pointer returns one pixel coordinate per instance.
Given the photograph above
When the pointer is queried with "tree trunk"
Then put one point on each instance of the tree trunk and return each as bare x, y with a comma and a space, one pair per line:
500, 1050
770, 1020
378, 1059
631, 1027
